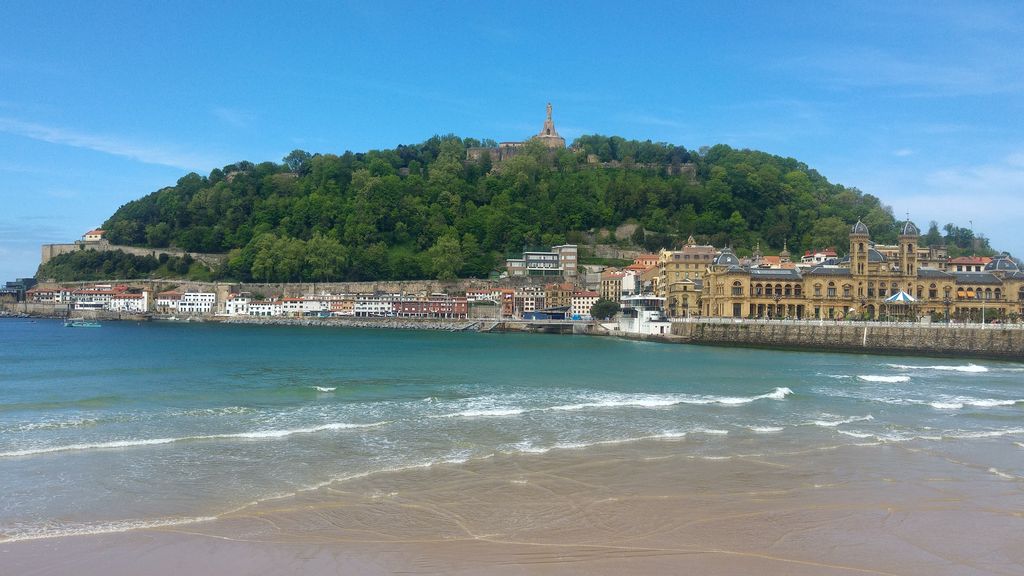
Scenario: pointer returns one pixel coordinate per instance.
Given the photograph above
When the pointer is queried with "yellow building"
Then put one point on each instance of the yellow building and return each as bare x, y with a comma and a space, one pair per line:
859, 285
680, 275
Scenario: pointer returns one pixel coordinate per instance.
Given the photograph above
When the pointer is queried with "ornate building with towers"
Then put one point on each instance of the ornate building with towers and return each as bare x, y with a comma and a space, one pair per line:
859, 285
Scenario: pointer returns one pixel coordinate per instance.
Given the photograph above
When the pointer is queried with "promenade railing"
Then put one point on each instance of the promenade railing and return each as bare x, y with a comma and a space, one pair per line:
937, 325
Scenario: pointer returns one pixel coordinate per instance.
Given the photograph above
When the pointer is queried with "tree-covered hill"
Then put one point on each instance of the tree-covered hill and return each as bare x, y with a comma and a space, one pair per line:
424, 211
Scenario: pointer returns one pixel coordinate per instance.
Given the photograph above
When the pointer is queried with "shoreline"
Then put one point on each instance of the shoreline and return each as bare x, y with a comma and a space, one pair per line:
817, 343
640, 508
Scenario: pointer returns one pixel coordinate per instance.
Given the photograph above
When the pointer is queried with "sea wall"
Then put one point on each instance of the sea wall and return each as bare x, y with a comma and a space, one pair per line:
993, 341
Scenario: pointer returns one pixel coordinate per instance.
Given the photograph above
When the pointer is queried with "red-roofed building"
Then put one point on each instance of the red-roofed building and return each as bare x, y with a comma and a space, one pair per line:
646, 260
818, 256
968, 263
582, 302
94, 235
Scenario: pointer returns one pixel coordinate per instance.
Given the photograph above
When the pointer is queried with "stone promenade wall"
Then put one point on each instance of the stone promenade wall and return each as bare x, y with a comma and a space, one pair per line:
992, 341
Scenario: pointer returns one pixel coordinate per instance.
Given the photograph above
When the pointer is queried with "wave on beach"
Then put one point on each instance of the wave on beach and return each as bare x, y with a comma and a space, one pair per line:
623, 401
888, 379
324, 388
834, 421
41, 533
958, 402
965, 368
254, 435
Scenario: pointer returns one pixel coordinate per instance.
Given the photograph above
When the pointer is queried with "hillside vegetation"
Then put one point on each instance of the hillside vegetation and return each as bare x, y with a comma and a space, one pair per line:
422, 211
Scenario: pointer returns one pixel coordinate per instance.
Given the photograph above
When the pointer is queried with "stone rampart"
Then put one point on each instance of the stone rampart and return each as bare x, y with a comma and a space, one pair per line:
49, 251
993, 341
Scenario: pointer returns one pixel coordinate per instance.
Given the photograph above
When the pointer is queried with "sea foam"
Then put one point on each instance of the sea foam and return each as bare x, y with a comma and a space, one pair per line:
958, 402
624, 401
838, 422
253, 435
98, 528
965, 368
889, 379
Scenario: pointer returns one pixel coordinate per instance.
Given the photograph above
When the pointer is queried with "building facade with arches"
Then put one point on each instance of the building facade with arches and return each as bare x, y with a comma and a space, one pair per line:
859, 285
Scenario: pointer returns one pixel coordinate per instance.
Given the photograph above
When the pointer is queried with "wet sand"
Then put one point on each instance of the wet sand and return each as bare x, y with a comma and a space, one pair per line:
642, 508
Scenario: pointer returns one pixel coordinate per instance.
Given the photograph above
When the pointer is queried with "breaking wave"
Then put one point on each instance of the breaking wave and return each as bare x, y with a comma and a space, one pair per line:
889, 379
254, 435
98, 528
966, 368
832, 423
626, 401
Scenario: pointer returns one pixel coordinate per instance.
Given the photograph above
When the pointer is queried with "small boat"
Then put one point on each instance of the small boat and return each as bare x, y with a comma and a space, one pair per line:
82, 324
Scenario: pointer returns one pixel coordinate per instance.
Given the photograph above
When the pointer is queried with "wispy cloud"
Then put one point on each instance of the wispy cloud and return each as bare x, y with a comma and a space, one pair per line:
655, 120
903, 152
233, 117
988, 194
875, 68
150, 154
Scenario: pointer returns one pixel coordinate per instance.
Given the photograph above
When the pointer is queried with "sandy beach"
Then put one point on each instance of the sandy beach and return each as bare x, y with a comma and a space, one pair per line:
642, 508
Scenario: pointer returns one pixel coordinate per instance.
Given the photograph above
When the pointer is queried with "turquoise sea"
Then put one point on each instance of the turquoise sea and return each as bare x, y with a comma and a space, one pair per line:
136, 425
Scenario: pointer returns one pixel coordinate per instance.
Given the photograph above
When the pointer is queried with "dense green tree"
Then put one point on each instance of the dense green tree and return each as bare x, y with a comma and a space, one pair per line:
425, 210
604, 309
445, 257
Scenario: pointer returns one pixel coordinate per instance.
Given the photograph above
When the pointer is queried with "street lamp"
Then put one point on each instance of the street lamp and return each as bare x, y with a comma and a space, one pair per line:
776, 298
947, 301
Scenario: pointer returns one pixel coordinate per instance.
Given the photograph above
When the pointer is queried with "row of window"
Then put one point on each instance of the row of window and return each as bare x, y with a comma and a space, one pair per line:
831, 291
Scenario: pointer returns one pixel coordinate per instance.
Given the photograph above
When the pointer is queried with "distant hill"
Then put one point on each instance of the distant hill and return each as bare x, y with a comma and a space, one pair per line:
424, 211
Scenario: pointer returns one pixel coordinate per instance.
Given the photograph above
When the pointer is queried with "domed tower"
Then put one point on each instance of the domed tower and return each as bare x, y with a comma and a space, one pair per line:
1002, 266
860, 243
725, 260
785, 257
909, 236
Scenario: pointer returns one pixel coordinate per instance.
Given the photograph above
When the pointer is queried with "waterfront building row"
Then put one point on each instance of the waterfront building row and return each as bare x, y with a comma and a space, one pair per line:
858, 285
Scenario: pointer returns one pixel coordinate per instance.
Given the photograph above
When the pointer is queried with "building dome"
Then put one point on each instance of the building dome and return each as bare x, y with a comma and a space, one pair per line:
910, 229
860, 228
1002, 263
785, 255
726, 258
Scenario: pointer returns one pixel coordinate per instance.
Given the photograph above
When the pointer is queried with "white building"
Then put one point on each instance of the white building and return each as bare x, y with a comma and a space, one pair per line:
197, 302
167, 302
95, 298
559, 261
266, 308
582, 302
298, 307
131, 303
237, 305
644, 315
375, 305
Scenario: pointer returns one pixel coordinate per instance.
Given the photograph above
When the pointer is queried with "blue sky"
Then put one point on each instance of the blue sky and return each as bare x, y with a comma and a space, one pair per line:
919, 104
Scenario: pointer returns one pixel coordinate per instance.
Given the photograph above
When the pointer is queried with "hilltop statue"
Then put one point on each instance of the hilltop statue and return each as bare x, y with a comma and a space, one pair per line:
548, 135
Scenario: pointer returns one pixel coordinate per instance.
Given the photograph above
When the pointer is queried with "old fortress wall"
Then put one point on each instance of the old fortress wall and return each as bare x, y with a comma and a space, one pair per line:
50, 251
